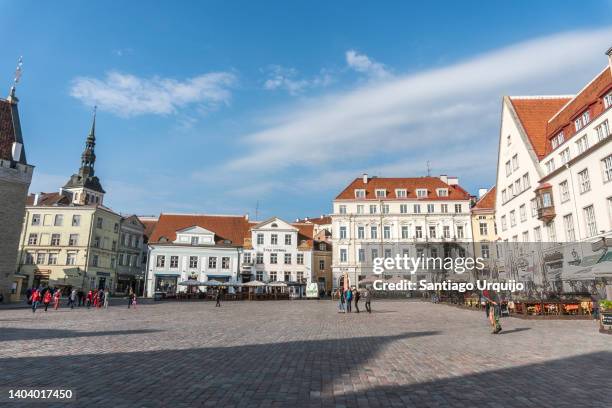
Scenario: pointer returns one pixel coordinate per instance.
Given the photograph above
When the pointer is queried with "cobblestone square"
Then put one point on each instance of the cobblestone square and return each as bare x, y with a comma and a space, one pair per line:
303, 353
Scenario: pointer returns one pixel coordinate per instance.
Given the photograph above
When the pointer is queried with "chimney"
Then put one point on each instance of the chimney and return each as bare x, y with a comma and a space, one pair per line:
365, 178
609, 54
453, 181
246, 216
444, 178
482, 192
16, 151
36, 199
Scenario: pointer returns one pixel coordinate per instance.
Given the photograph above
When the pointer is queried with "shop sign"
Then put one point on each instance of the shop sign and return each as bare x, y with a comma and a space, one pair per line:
606, 318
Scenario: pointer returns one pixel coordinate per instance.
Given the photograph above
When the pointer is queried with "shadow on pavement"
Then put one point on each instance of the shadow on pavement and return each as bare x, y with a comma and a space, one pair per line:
13, 334
518, 329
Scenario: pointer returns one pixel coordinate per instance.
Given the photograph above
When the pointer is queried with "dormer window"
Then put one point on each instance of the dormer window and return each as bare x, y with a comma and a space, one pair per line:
582, 120
550, 166
608, 100
195, 240
442, 192
557, 140
381, 193
401, 193
360, 193
421, 192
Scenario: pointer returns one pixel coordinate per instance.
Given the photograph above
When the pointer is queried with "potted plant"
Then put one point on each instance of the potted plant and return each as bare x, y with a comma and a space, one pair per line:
605, 316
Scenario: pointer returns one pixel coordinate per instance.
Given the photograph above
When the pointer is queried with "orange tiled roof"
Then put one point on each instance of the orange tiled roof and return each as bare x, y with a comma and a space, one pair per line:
322, 220
411, 184
533, 114
48, 199
226, 227
544, 117
487, 201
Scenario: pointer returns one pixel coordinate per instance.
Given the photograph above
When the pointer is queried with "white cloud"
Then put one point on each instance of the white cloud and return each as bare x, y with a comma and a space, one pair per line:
287, 79
450, 108
362, 63
128, 95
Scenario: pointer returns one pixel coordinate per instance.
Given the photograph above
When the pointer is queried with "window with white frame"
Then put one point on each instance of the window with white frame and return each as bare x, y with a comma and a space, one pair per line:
401, 193
373, 232
565, 156
59, 220
361, 255
432, 231
508, 168
584, 183
537, 234
511, 190
534, 207
273, 258
515, 162
582, 144
381, 193
212, 262
417, 208
35, 219
430, 208
360, 193
568, 223
55, 239
603, 130
504, 223
342, 232
260, 239
359, 209
504, 196
53, 258
418, 231
247, 257
287, 259
460, 234
525, 236
523, 213
582, 120
442, 192
342, 209
564, 191
71, 258
361, 232
608, 100
174, 259
483, 228
518, 187
287, 239
405, 233
387, 232
458, 208
385, 208
343, 255
557, 140
526, 182
606, 165
550, 166
193, 262
446, 231
403, 208
40, 258
373, 208
374, 253
259, 259
512, 218
421, 192
444, 208
160, 261
76, 220
299, 259
589, 221
259, 275
552, 232
484, 250
274, 239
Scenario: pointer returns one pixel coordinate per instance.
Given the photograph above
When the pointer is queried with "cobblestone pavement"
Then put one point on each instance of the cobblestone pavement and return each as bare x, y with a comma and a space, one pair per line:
303, 353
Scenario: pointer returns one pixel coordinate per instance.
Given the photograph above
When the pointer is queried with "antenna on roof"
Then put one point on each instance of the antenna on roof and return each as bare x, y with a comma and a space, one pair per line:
428, 169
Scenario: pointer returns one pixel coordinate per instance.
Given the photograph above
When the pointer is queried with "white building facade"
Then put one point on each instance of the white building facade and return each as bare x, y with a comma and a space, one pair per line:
279, 251
383, 217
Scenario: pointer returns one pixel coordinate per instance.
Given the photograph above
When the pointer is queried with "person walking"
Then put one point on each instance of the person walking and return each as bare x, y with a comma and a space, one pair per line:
81, 297
134, 300
35, 299
47, 299
349, 298
340, 294
89, 298
218, 298
357, 296
494, 312
130, 293
72, 298
56, 299
106, 298
367, 296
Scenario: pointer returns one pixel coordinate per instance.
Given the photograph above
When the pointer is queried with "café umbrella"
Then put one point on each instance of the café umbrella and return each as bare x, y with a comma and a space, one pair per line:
191, 282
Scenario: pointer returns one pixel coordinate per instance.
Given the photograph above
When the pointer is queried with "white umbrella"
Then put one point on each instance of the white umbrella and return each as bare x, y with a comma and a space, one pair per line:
277, 284
212, 283
191, 283
254, 284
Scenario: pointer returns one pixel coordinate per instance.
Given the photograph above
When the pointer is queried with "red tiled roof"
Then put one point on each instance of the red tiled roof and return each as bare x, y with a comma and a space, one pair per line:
544, 117
411, 184
149, 225
226, 227
487, 201
533, 114
591, 98
305, 233
48, 199
322, 220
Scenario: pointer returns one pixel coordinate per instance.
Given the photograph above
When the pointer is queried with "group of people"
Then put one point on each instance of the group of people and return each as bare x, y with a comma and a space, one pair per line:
97, 298
349, 296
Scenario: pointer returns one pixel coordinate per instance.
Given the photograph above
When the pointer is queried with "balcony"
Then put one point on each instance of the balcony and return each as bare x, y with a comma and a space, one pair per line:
546, 214
544, 200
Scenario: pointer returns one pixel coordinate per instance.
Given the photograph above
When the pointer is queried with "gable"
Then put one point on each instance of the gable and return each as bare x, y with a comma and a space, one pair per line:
274, 223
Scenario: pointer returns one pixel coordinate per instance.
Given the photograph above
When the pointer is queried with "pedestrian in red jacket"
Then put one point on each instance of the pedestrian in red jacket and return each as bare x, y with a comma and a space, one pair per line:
47, 299
89, 298
35, 299
56, 299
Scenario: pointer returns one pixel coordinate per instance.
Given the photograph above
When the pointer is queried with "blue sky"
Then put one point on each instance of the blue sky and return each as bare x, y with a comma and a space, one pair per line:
215, 107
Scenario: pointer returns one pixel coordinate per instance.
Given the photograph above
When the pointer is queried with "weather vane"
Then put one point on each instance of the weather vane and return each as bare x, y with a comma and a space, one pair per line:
18, 70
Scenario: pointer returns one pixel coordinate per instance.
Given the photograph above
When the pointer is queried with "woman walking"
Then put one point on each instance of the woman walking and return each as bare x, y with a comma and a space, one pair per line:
72, 298
341, 308
106, 298
35, 299
367, 296
494, 309
356, 295
89, 298
56, 299
349, 298
47, 299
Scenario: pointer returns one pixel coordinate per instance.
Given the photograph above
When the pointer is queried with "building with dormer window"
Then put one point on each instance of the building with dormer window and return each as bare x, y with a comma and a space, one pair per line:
382, 217
198, 247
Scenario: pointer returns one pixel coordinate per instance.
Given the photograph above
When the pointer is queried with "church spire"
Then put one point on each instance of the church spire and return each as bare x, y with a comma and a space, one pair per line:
88, 158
